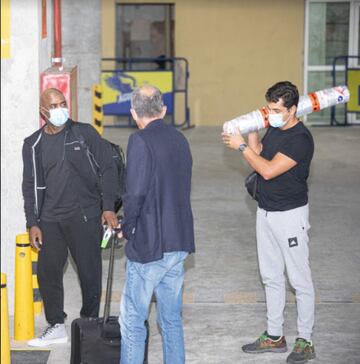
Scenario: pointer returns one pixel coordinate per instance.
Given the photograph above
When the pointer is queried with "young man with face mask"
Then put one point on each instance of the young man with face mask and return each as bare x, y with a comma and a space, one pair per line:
282, 160
65, 209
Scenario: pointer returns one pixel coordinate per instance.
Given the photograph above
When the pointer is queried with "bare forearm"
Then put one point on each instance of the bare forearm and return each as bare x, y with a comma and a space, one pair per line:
267, 169
258, 163
254, 142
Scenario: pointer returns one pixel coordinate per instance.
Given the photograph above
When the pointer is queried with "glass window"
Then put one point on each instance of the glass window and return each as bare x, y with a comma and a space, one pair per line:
145, 31
319, 81
328, 32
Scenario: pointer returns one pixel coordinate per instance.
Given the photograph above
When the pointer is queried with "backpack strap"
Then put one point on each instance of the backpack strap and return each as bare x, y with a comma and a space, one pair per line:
93, 163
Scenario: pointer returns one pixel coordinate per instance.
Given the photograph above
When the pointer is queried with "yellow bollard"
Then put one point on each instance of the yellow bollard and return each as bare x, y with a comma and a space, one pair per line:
5, 338
24, 307
97, 112
35, 284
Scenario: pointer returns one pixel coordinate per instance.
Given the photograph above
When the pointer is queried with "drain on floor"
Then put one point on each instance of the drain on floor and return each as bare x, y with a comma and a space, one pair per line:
29, 356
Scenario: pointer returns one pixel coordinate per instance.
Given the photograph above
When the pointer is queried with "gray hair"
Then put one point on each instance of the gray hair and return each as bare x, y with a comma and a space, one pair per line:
147, 101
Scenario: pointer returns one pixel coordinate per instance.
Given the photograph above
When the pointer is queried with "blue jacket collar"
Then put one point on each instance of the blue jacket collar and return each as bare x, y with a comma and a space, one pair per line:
154, 123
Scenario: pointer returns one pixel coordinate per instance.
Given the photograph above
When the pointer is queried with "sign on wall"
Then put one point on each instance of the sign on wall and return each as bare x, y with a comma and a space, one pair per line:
5, 28
353, 78
66, 82
118, 86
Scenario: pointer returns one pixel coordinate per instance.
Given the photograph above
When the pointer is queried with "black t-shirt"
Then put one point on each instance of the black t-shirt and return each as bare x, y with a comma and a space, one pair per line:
289, 190
60, 200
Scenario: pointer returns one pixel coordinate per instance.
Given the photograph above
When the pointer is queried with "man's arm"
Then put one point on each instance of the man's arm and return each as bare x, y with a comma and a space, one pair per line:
28, 191
254, 142
28, 188
267, 169
102, 154
138, 179
290, 153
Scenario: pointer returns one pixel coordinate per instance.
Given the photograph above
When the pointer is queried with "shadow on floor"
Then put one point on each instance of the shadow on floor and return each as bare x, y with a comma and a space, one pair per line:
29, 356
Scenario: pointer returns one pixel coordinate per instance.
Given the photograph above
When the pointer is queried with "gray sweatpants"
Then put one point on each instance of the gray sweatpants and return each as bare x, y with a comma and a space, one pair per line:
282, 242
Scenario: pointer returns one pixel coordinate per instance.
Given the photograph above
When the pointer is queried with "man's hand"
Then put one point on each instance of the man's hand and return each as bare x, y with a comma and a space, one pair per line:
110, 219
233, 141
35, 235
120, 234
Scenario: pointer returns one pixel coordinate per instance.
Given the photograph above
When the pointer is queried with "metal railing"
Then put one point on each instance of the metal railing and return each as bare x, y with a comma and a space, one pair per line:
333, 120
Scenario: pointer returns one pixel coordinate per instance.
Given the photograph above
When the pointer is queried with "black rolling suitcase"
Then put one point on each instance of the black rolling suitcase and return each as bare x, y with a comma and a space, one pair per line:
97, 341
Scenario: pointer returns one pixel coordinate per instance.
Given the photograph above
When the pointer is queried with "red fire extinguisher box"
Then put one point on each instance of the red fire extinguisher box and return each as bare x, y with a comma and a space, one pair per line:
65, 80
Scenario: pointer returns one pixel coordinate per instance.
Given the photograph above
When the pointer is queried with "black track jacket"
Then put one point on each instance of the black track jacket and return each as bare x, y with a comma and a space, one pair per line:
94, 194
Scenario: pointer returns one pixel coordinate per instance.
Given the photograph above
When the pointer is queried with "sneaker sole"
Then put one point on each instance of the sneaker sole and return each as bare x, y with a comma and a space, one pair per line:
62, 340
273, 350
312, 356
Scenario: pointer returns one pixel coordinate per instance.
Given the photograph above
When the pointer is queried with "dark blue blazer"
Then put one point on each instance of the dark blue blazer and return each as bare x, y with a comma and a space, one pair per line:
157, 209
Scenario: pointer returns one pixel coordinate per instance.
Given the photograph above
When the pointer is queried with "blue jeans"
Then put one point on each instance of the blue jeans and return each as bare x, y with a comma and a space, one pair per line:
165, 278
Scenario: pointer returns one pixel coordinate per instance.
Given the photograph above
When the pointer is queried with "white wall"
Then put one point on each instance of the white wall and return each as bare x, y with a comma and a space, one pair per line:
20, 74
19, 118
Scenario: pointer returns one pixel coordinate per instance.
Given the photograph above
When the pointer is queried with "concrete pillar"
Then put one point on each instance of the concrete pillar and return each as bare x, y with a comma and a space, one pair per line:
81, 38
30, 54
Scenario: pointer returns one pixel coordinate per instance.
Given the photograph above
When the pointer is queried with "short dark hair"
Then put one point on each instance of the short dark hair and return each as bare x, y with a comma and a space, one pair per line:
147, 101
284, 90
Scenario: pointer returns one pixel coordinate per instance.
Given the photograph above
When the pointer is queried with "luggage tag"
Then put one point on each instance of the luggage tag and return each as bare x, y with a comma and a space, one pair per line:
108, 233
106, 237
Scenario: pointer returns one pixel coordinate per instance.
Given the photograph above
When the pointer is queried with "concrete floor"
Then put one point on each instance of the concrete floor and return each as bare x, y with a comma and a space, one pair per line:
224, 299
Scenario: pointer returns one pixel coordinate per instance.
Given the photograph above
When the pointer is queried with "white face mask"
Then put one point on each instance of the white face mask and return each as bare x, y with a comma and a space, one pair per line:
276, 120
59, 116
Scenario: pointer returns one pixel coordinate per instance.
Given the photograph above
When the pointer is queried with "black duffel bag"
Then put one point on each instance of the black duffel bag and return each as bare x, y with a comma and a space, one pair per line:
252, 185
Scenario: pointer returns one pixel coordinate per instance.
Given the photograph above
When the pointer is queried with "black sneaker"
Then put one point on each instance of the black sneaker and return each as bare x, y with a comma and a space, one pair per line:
303, 351
264, 344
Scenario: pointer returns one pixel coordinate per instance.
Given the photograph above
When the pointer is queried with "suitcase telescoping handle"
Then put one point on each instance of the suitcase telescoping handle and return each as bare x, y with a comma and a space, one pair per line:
113, 240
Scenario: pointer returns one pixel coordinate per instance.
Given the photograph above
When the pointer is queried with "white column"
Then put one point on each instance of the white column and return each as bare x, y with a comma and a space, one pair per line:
19, 118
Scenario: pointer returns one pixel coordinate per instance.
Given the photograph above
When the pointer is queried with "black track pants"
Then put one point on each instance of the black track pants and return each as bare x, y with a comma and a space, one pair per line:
83, 240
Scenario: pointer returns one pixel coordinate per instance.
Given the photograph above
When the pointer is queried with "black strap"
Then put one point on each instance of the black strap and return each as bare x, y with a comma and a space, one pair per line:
93, 162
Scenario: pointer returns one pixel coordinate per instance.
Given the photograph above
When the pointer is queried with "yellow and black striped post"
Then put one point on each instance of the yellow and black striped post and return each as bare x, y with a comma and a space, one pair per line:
24, 307
97, 113
35, 284
5, 338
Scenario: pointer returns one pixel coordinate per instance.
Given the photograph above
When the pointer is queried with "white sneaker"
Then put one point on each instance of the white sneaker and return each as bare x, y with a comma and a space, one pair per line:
55, 334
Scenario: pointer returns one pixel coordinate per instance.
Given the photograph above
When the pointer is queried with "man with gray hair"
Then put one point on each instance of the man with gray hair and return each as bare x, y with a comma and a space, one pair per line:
158, 224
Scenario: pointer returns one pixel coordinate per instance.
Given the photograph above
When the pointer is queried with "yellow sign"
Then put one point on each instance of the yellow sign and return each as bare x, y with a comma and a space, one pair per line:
118, 86
353, 76
5, 28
